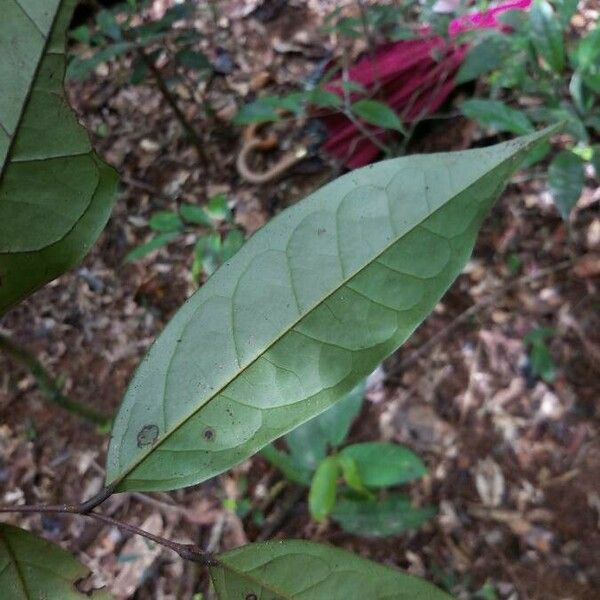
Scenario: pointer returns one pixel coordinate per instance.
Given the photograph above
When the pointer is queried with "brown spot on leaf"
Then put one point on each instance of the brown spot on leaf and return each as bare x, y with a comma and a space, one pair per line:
251, 597
147, 435
209, 434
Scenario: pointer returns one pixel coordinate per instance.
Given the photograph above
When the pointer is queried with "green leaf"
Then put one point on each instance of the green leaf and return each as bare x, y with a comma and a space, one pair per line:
287, 465
324, 98
165, 221
294, 569
566, 177
540, 359
496, 114
311, 304
259, 111
596, 159
32, 568
208, 252
380, 518
587, 52
382, 464
308, 443
55, 194
547, 35
351, 475
377, 113
566, 9
81, 68
195, 214
323, 488
108, 25
233, 241
218, 208
154, 244
483, 57
192, 59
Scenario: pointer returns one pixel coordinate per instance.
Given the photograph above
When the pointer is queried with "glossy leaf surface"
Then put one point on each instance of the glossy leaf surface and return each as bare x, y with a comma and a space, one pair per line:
55, 194
32, 568
305, 310
302, 570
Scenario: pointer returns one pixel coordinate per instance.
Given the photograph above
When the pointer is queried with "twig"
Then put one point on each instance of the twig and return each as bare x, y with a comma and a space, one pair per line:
48, 385
189, 552
171, 101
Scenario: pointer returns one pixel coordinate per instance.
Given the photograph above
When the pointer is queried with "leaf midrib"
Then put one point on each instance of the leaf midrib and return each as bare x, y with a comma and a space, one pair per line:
117, 480
12, 137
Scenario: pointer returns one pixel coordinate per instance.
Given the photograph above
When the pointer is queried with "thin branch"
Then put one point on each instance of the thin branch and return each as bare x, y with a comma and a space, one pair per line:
171, 101
348, 112
189, 552
48, 384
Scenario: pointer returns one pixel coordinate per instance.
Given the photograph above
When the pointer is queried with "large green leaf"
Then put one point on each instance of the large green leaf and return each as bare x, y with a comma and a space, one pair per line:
308, 307
301, 570
32, 568
55, 194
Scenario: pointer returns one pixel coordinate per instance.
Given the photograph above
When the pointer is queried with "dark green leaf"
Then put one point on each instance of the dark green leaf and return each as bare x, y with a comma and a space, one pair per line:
596, 159
108, 25
496, 114
233, 241
377, 113
566, 177
81, 68
547, 35
483, 57
294, 569
33, 569
566, 9
81, 34
154, 244
259, 111
55, 194
380, 518
287, 465
309, 306
324, 98
323, 488
382, 464
540, 360
587, 52
208, 252
192, 59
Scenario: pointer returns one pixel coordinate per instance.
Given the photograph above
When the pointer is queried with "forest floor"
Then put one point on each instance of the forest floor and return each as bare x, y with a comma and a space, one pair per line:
514, 462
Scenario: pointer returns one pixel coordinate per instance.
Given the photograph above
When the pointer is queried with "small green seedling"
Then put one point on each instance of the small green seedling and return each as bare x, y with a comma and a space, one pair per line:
349, 483
217, 241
